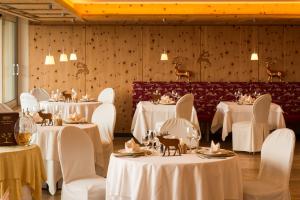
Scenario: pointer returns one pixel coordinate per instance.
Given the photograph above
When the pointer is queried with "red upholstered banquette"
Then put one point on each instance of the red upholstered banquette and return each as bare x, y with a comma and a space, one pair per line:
209, 94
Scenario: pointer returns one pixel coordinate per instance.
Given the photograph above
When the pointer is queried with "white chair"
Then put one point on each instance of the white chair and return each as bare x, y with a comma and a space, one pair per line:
105, 118
107, 96
76, 156
249, 135
29, 102
178, 127
40, 94
184, 107
272, 182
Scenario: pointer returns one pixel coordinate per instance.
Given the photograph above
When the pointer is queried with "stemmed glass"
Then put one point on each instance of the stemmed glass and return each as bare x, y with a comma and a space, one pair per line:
197, 137
189, 136
151, 137
145, 141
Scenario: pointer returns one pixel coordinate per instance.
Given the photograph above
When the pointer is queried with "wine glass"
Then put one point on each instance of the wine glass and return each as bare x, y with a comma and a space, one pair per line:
189, 136
145, 141
151, 138
197, 137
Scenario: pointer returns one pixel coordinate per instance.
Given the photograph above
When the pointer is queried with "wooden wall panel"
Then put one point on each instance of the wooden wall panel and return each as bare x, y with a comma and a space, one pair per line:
177, 41
118, 55
228, 49
271, 44
292, 53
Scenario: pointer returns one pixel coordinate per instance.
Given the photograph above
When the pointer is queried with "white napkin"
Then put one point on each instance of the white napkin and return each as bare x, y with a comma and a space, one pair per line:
131, 146
214, 148
75, 117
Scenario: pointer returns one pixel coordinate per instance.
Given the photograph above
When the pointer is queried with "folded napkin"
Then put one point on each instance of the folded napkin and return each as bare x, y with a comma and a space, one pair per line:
214, 148
131, 146
75, 117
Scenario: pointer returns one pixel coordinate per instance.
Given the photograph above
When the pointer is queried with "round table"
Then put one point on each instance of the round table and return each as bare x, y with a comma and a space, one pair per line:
21, 165
174, 177
46, 139
86, 109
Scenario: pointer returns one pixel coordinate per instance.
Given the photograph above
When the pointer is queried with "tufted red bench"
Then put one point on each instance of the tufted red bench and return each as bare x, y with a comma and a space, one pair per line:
209, 94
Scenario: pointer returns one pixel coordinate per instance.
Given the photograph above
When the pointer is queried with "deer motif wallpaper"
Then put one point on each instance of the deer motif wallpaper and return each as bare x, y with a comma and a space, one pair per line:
118, 55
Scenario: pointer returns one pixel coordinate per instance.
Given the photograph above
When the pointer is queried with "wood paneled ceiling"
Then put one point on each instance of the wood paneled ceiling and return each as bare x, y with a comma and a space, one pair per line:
153, 11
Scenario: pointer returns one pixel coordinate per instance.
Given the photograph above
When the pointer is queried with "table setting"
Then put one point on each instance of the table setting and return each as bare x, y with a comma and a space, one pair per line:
212, 165
148, 114
229, 112
69, 106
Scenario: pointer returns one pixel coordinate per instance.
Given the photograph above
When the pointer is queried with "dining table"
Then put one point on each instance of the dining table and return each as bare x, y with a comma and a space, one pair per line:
147, 115
228, 113
84, 108
21, 166
188, 176
46, 139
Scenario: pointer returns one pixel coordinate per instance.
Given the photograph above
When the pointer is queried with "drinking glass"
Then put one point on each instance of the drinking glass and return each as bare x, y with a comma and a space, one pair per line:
145, 141
189, 136
197, 137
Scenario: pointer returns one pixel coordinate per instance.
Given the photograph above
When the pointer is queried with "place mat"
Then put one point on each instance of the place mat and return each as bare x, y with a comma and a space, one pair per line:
87, 100
124, 153
205, 151
74, 122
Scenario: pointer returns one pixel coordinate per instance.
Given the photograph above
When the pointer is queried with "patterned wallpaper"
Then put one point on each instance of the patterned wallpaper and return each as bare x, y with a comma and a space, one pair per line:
118, 55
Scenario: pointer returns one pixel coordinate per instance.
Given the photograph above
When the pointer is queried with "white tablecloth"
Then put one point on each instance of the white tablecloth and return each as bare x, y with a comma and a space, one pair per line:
46, 139
230, 112
148, 114
86, 109
174, 177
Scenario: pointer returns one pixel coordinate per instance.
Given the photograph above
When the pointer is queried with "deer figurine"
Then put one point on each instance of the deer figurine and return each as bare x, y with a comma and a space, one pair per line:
66, 95
45, 116
180, 73
169, 143
272, 73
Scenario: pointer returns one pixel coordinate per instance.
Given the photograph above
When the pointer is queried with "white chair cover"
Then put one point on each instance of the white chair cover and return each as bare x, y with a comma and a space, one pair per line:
249, 135
184, 107
29, 102
105, 118
40, 94
76, 155
178, 127
272, 182
4, 108
107, 96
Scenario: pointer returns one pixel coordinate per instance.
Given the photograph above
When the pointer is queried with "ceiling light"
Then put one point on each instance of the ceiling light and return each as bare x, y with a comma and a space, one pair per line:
164, 56
49, 60
254, 56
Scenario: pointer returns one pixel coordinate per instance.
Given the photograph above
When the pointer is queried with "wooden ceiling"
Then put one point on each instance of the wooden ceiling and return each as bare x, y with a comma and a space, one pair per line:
154, 11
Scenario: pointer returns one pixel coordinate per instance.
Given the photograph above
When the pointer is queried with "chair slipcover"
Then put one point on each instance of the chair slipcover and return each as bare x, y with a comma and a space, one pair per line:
184, 107
272, 182
29, 102
76, 155
249, 135
105, 118
40, 94
178, 127
107, 96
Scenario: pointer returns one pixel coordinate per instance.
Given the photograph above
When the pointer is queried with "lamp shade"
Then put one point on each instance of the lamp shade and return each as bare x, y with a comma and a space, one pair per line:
254, 56
164, 56
73, 56
49, 60
63, 57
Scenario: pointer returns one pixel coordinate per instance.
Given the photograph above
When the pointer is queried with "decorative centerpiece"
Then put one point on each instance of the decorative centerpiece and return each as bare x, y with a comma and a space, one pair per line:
74, 95
166, 100
25, 127
46, 118
170, 142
